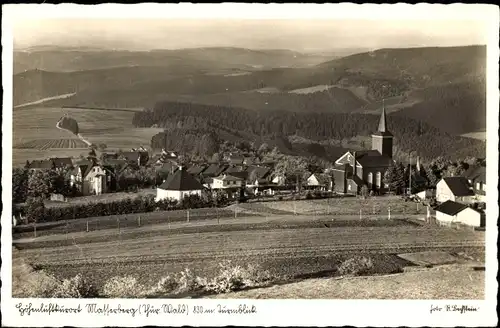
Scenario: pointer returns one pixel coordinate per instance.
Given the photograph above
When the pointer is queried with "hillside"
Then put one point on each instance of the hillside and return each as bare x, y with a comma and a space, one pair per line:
444, 87
410, 135
77, 59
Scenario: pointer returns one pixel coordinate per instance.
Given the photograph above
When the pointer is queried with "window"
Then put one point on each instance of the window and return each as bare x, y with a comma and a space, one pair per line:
484, 187
348, 187
478, 186
370, 178
379, 179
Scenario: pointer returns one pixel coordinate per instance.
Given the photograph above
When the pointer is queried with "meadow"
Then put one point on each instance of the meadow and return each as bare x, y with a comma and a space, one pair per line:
35, 135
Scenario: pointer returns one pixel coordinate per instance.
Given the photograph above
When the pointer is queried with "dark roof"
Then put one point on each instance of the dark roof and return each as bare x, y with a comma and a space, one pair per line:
214, 170
135, 155
41, 164
372, 158
261, 171
476, 173
459, 186
62, 161
451, 208
167, 167
181, 180
196, 169
234, 168
114, 162
243, 175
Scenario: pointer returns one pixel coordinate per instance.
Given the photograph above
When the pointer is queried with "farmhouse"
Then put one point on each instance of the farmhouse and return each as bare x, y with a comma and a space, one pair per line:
355, 169
451, 212
456, 189
178, 185
476, 176
89, 178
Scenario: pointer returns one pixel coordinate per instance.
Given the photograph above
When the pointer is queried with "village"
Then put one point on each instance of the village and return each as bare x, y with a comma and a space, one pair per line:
239, 176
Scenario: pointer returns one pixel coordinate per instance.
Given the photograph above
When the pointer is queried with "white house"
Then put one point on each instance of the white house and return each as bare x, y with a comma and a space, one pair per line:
319, 181
178, 185
89, 178
226, 181
426, 194
456, 189
451, 212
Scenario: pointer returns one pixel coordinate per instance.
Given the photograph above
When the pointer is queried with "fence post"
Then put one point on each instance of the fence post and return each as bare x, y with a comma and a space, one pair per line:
187, 214
66, 230
139, 220
34, 229
360, 214
389, 209
87, 225
235, 215
118, 220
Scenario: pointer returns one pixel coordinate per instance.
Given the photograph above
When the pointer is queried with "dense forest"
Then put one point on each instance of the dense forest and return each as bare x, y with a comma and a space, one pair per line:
410, 134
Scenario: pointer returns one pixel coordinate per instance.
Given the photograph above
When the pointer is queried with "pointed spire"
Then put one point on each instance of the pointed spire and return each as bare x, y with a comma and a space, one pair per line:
382, 123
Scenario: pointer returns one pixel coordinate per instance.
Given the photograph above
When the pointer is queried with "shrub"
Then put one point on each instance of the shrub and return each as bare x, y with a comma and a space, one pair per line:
123, 287
76, 287
309, 195
235, 277
356, 266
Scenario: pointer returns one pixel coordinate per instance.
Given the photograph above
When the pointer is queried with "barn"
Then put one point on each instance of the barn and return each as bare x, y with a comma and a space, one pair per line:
450, 212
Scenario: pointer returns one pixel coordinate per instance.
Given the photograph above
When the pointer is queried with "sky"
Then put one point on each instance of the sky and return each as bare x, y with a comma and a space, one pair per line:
293, 34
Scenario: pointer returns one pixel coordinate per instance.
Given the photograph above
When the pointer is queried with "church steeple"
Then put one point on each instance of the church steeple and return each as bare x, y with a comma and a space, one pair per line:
382, 139
382, 125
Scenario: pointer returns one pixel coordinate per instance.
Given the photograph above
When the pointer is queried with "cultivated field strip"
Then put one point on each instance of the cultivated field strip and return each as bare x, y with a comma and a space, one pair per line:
257, 243
281, 252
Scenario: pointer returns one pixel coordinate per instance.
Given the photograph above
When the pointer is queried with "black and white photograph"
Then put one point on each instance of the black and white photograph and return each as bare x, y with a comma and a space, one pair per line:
213, 159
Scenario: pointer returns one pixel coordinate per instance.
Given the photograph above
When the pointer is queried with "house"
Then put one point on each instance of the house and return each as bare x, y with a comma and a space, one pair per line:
89, 178
357, 168
235, 159
178, 185
476, 176
169, 154
451, 212
140, 157
456, 189
230, 184
320, 181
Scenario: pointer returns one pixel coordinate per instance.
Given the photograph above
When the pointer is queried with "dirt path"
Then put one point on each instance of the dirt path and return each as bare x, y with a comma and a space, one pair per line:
67, 95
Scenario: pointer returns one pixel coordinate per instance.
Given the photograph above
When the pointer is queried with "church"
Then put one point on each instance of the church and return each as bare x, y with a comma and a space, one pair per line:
355, 169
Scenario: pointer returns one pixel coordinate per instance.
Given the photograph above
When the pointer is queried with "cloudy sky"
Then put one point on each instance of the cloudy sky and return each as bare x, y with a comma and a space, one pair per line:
301, 35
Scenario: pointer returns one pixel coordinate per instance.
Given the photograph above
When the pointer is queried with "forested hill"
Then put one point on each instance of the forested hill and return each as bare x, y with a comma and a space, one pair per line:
410, 135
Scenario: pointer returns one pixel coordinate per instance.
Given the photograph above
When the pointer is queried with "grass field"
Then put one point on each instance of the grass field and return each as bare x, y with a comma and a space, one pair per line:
339, 206
35, 135
290, 247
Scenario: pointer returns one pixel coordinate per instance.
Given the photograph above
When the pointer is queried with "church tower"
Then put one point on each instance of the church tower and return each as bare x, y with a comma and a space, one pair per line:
382, 139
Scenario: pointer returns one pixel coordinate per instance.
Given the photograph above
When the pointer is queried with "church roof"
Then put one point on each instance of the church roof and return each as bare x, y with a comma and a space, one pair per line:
181, 180
372, 158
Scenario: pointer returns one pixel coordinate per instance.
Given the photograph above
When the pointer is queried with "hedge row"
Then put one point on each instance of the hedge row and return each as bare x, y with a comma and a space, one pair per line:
127, 206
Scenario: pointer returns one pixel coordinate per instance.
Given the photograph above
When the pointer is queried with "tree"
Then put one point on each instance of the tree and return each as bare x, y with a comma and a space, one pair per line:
364, 191
252, 177
35, 209
395, 177
102, 147
38, 184
19, 185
